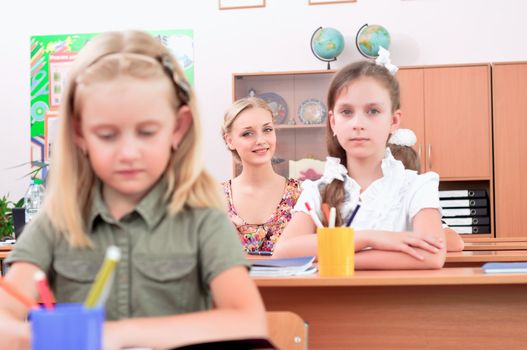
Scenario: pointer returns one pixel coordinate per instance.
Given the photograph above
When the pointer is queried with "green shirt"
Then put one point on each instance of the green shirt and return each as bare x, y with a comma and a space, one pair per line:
167, 262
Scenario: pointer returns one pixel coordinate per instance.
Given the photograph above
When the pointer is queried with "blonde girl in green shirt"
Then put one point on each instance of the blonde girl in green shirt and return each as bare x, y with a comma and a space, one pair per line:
126, 172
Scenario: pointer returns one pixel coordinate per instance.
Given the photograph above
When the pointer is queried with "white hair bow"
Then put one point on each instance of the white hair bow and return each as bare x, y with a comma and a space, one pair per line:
403, 137
384, 60
333, 170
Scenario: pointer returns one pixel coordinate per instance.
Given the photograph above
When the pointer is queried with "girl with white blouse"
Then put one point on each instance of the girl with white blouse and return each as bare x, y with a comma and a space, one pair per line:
398, 225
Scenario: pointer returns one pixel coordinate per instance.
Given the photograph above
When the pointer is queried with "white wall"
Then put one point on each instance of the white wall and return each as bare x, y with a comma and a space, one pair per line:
274, 38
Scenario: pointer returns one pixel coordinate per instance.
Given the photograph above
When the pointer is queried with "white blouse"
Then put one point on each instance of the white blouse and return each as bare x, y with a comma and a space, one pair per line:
389, 203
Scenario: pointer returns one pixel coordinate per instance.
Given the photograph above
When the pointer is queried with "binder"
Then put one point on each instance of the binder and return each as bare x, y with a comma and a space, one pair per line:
448, 213
467, 221
463, 194
471, 229
463, 203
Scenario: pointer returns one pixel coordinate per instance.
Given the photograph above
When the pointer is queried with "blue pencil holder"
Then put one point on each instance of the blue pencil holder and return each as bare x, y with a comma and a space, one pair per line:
67, 327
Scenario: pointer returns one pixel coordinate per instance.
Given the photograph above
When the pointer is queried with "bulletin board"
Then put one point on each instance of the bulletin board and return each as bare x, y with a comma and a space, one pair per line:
50, 61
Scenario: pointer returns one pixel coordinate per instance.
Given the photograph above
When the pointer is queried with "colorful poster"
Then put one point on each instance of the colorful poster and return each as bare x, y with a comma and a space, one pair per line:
51, 59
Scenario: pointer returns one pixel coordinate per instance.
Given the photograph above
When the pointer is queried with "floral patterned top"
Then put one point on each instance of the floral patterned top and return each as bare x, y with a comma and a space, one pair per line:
262, 237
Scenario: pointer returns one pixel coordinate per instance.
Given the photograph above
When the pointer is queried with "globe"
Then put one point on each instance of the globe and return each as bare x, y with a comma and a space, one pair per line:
326, 44
370, 38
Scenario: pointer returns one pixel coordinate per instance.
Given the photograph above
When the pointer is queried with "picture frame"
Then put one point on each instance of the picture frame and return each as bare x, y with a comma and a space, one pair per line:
240, 4
328, 2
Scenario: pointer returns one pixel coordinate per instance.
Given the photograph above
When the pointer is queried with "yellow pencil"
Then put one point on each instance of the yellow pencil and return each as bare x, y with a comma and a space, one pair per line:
113, 254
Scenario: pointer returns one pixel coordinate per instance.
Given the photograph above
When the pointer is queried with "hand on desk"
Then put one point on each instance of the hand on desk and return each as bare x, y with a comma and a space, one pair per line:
403, 242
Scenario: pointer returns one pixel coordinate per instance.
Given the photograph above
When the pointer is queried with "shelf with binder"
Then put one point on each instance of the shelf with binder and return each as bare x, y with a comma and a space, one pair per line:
467, 207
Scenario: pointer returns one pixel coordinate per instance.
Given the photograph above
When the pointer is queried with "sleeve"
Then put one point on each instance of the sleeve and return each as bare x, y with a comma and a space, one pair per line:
424, 193
35, 244
310, 194
220, 247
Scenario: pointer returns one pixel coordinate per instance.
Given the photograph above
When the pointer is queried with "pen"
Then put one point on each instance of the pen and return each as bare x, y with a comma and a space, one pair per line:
332, 217
348, 224
314, 216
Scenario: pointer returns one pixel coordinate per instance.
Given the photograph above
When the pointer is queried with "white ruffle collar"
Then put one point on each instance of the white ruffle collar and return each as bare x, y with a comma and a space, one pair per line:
378, 197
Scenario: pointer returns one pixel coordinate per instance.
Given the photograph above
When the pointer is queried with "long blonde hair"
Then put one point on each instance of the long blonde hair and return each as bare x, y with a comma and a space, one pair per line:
107, 57
333, 194
235, 110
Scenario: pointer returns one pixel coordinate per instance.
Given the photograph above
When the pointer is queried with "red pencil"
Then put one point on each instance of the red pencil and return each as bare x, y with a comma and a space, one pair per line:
43, 288
24, 299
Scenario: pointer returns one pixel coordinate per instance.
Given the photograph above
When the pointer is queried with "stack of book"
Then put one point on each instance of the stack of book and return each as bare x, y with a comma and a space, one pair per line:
283, 267
466, 211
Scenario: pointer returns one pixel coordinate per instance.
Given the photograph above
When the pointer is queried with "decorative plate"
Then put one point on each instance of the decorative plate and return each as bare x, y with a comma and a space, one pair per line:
278, 106
312, 111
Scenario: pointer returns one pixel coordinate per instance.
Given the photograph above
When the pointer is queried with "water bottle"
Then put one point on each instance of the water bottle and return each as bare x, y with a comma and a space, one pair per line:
33, 198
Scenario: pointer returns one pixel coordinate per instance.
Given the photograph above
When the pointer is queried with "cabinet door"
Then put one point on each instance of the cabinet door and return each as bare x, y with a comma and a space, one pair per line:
457, 121
412, 106
510, 148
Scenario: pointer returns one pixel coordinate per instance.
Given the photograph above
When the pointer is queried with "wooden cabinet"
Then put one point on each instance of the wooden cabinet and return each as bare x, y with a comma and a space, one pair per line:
510, 147
457, 121
411, 82
449, 110
448, 107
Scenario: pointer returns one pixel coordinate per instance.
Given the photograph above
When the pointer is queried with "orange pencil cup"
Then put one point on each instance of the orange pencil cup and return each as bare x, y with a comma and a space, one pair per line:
336, 251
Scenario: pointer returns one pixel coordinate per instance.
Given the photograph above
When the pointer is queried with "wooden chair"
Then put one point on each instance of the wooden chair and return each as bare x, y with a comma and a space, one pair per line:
287, 330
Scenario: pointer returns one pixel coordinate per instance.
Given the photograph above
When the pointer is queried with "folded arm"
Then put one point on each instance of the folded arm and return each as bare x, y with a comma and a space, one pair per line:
423, 248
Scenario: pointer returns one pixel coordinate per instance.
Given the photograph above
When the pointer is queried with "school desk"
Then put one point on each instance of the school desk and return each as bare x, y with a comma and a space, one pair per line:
4, 252
479, 257
495, 246
473, 239
451, 308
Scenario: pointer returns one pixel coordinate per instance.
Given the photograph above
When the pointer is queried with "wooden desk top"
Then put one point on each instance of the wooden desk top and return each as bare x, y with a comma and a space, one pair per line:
490, 239
495, 245
445, 276
484, 256
6, 247
5, 250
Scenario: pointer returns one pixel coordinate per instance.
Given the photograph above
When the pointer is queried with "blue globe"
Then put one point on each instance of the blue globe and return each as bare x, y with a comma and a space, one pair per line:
327, 43
370, 38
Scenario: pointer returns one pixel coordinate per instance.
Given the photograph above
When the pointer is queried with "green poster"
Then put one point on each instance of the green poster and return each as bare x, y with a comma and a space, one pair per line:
51, 59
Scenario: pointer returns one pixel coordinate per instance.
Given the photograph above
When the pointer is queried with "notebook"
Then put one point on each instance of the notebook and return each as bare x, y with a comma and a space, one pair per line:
284, 267
501, 267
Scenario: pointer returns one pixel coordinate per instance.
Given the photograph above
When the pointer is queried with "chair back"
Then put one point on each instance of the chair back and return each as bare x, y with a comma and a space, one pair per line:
287, 330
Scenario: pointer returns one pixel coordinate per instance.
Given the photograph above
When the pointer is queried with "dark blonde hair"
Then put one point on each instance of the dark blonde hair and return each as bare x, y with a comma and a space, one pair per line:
234, 111
333, 193
407, 155
106, 58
